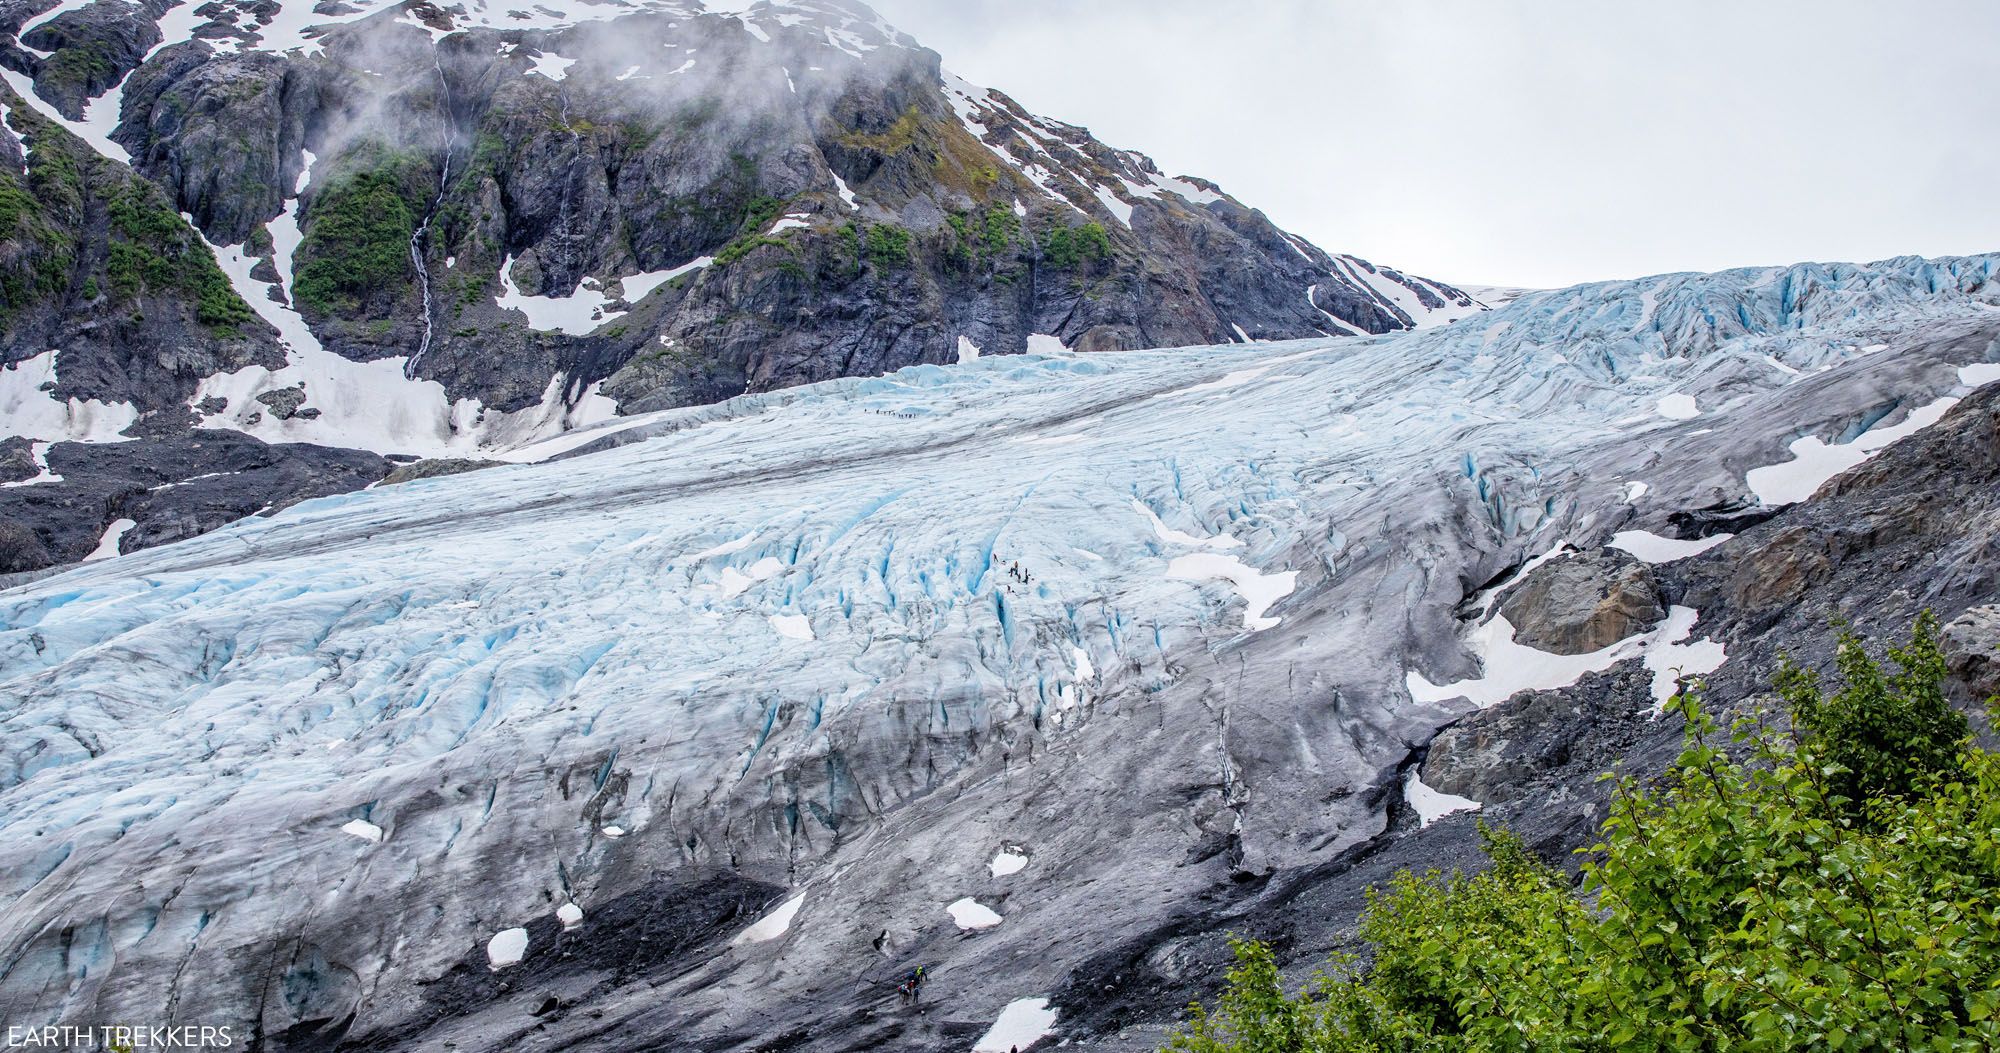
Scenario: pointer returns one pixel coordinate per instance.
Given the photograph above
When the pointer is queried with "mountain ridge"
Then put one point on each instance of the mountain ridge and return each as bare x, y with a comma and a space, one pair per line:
458, 229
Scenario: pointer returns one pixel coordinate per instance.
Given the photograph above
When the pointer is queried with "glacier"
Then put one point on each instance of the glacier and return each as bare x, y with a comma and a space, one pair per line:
868, 646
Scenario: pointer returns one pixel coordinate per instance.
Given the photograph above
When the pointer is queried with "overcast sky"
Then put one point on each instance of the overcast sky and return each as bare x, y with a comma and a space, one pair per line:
1533, 143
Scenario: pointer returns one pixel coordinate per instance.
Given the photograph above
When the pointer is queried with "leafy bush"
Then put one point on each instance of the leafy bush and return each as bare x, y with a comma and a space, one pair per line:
1886, 733
982, 235
1737, 905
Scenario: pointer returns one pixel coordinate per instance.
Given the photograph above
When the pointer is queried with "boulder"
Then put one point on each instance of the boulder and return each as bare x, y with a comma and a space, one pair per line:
1972, 651
1583, 603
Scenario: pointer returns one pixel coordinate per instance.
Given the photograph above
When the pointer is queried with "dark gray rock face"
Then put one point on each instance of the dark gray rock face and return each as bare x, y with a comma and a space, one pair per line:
1584, 603
285, 402
103, 269
92, 48
1489, 754
602, 174
221, 133
173, 488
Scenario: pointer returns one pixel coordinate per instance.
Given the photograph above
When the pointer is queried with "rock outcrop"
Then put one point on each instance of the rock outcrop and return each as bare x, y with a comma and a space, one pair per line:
1583, 603
1972, 647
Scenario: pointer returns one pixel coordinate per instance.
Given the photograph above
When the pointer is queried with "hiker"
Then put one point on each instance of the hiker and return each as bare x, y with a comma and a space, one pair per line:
912, 987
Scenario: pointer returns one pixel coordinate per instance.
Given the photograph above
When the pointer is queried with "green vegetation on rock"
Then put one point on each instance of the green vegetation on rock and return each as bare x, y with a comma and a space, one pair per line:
358, 232
758, 215
1834, 888
153, 250
1066, 247
893, 140
78, 67
983, 234
888, 246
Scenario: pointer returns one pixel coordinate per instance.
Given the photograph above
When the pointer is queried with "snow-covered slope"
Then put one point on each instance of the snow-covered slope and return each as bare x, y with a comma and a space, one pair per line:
856, 642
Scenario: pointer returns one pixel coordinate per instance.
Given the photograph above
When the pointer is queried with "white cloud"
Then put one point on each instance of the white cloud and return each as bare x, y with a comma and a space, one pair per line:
1535, 144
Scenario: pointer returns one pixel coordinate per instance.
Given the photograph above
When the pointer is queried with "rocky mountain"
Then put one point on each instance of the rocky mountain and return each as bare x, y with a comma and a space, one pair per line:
1045, 672
452, 230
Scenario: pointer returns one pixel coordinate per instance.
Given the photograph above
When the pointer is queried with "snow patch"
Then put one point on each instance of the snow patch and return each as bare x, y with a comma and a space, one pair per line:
587, 307
554, 67
1979, 374
360, 828
840, 187
1180, 537
1678, 407
570, 915
1432, 805
971, 915
1815, 461
1006, 862
107, 545
735, 582
1670, 658
1509, 668
1258, 589
772, 925
29, 411
967, 350
1118, 209
1022, 1023
792, 626
1652, 548
40, 452
507, 947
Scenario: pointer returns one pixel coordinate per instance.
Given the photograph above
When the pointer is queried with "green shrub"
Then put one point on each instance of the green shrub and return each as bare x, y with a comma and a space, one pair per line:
1737, 905
1887, 733
151, 249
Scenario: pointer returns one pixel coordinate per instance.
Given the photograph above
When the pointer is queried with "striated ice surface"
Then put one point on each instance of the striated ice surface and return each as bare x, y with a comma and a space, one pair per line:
754, 631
